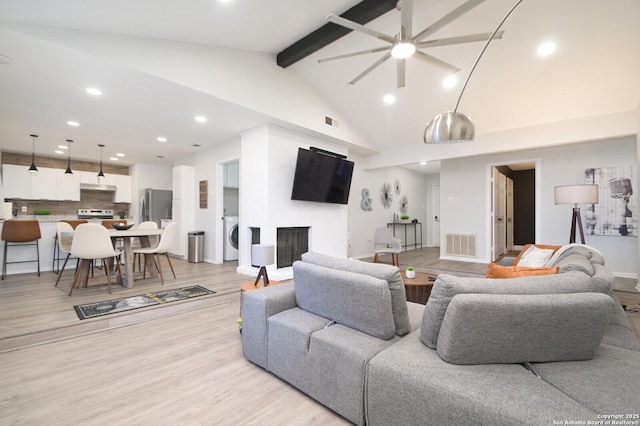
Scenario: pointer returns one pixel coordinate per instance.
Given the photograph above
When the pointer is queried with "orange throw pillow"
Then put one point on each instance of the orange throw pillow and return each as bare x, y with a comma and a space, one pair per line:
540, 246
499, 271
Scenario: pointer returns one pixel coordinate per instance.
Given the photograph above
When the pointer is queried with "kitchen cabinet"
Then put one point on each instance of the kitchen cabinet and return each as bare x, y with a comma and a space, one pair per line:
232, 175
92, 177
183, 206
124, 193
19, 183
67, 186
43, 184
15, 181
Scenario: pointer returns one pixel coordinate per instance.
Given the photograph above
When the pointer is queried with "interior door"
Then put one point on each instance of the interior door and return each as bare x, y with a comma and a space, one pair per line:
509, 214
498, 194
436, 215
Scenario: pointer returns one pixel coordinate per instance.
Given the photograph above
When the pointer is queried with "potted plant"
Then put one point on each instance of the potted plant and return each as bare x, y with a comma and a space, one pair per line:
410, 272
404, 217
121, 214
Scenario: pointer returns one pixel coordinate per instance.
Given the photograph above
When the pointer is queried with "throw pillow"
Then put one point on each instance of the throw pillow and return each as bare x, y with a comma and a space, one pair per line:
499, 271
535, 255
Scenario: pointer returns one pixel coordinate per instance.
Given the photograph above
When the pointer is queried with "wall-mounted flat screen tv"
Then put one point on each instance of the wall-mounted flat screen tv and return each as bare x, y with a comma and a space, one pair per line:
322, 177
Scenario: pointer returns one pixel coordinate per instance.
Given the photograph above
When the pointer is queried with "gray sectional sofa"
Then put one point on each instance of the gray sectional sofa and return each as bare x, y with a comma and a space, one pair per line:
537, 350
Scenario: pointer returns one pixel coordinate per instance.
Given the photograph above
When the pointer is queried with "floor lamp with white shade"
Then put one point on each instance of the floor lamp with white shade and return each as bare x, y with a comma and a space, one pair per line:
576, 194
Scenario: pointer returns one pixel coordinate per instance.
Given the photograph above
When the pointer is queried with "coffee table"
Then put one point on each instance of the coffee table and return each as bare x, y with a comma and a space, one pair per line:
418, 289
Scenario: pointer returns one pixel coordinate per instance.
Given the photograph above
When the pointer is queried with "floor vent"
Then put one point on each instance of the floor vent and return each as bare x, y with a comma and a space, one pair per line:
461, 245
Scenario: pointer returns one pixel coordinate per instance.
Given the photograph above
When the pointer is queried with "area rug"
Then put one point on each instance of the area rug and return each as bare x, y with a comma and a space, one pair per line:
92, 310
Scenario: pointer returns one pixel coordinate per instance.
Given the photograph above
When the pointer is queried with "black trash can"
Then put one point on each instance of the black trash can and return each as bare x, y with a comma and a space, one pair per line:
196, 246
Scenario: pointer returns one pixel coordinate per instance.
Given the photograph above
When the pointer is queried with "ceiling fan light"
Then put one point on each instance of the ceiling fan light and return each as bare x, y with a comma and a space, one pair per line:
403, 50
449, 127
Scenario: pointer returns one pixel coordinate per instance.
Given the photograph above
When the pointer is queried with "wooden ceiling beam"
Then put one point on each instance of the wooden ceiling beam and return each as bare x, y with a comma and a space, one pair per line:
362, 13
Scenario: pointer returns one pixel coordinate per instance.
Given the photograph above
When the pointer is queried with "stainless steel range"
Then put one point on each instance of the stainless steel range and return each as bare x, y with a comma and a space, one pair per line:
95, 214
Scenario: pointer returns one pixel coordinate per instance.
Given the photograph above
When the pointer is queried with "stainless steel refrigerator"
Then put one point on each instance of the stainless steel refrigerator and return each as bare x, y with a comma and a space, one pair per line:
155, 204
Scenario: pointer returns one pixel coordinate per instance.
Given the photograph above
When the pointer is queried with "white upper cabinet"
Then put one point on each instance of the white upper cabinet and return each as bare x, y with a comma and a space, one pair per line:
232, 175
15, 181
68, 186
123, 191
92, 177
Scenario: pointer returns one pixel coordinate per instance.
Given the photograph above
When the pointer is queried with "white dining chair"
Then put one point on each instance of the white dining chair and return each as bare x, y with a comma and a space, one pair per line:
92, 241
166, 243
64, 243
135, 243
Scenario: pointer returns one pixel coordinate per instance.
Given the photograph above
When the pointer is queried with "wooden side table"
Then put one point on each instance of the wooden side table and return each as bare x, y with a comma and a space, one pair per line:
418, 289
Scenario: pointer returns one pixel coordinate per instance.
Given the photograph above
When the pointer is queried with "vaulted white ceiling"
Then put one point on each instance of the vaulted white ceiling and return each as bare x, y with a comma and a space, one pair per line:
135, 52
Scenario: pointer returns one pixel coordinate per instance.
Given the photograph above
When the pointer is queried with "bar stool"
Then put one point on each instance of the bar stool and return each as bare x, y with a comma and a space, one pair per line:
20, 233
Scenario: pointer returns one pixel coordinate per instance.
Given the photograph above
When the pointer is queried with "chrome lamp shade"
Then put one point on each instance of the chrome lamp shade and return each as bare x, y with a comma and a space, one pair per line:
449, 127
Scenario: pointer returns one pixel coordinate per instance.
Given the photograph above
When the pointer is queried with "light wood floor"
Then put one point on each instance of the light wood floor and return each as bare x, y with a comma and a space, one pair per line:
183, 369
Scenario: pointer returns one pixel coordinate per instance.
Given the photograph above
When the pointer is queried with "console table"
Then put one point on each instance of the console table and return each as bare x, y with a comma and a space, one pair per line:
417, 233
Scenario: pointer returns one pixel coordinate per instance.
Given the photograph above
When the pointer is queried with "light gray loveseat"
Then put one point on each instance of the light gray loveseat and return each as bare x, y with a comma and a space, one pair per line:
529, 350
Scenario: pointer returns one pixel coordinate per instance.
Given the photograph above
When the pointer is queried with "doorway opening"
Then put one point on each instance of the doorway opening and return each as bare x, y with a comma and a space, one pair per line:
513, 207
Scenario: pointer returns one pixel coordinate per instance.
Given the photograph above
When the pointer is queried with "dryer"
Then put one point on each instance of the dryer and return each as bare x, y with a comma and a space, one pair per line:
230, 251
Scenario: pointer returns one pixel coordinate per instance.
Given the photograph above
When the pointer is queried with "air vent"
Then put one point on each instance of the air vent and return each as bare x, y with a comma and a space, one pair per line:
331, 122
461, 245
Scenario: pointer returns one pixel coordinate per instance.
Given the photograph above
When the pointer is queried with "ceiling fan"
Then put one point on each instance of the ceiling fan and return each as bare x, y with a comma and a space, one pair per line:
405, 44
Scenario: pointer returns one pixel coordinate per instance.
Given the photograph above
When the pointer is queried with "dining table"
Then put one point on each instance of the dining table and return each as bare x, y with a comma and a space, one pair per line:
127, 236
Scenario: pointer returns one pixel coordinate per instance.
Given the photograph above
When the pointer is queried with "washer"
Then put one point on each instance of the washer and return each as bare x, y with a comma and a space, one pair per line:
230, 251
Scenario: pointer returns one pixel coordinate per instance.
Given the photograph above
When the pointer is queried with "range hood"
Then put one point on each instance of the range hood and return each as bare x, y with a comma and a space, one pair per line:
97, 187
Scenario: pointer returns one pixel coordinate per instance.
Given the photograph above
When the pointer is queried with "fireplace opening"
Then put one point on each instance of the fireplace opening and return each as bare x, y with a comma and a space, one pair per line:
291, 244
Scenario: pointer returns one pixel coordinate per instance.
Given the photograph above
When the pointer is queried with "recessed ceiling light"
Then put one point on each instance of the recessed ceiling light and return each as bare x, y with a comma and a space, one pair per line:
450, 82
423, 163
73, 123
57, 151
161, 139
201, 119
389, 99
196, 145
62, 146
547, 48
119, 154
114, 158
160, 156
225, 1
93, 91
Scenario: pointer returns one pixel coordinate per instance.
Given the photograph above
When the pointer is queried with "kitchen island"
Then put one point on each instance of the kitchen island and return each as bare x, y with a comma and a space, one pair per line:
46, 245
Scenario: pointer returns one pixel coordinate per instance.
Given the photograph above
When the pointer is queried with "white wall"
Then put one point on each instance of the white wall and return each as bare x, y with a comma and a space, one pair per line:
267, 166
363, 223
465, 199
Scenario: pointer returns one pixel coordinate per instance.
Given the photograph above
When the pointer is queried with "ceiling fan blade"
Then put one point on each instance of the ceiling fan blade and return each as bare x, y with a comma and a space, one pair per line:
435, 61
451, 16
459, 40
361, 28
406, 19
400, 72
371, 68
349, 55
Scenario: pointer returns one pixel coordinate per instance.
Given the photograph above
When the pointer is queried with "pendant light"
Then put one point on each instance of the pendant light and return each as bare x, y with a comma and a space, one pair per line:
33, 167
69, 171
101, 173
454, 126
